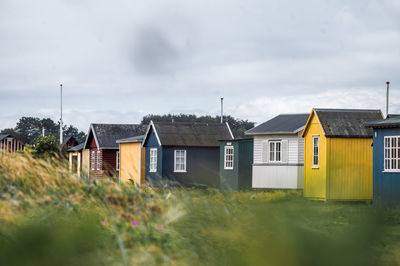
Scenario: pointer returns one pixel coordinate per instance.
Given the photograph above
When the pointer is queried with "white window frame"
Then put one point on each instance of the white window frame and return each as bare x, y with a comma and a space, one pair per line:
228, 162
391, 154
184, 161
313, 153
98, 165
118, 161
153, 160
274, 151
93, 161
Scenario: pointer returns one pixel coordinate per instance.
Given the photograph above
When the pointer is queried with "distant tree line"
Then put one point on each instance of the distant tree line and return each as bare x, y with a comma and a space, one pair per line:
28, 129
238, 126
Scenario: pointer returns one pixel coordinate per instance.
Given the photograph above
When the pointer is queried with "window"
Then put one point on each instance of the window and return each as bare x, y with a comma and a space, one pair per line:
117, 161
275, 151
98, 160
153, 160
392, 154
92, 162
228, 162
315, 151
180, 161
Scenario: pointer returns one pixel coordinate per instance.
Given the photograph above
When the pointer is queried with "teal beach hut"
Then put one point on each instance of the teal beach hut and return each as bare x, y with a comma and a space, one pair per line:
235, 167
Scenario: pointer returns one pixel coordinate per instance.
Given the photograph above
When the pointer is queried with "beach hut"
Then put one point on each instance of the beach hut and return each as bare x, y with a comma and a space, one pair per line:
9, 144
278, 152
338, 154
386, 160
184, 154
131, 160
235, 164
101, 140
79, 160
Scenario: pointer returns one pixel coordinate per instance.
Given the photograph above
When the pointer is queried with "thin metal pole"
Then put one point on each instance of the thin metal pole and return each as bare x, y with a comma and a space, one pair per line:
222, 110
61, 117
387, 98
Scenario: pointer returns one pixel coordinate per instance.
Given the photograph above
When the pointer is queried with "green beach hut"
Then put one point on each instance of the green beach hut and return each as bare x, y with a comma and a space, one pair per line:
235, 167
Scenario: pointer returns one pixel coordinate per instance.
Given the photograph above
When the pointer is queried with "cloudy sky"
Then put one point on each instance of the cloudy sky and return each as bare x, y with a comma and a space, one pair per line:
119, 60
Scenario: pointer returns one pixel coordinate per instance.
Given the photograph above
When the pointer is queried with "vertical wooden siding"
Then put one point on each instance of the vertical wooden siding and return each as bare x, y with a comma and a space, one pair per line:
109, 161
130, 162
315, 178
386, 185
143, 166
85, 162
349, 169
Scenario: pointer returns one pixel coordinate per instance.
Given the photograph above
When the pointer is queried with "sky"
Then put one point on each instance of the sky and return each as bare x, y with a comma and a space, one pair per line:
120, 60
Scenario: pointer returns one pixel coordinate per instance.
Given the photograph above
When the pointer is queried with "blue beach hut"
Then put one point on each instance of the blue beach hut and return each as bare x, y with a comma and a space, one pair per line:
185, 154
386, 160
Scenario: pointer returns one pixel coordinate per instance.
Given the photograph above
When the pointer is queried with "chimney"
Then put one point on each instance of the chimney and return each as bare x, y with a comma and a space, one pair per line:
387, 98
222, 110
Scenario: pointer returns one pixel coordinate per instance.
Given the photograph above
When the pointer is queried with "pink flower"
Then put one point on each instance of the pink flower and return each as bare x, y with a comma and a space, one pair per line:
134, 223
160, 227
105, 223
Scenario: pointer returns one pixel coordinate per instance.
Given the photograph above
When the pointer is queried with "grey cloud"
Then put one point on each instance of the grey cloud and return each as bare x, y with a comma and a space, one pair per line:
132, 58
153, 52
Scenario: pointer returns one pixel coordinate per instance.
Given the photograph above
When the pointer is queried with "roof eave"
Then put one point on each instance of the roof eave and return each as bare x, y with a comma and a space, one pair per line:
274, 133
230, 131
91, 128
128, 141
349, 137
151, 125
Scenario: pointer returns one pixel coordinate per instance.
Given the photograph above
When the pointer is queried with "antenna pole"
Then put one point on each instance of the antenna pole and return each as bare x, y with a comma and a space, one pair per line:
61, 116
387, 98
222, 110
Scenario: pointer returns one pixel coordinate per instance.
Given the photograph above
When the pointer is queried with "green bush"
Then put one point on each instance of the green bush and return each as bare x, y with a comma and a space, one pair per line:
46, 145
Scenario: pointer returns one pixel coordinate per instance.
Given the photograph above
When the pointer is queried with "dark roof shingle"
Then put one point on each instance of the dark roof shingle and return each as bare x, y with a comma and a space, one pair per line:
392, 121
192, 134
108, 134
284, 123
347, 123
4, 136
132, 139
78, 147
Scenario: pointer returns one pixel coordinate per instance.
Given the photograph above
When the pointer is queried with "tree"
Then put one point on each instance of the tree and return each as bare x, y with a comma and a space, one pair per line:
47, 145
237, 126
10, 131
80, 136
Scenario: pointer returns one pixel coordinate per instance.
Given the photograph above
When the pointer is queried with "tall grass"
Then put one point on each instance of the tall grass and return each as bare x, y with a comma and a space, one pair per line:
49, 216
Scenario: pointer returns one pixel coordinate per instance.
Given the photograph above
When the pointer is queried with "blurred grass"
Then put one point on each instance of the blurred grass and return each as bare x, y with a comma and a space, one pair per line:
51, 217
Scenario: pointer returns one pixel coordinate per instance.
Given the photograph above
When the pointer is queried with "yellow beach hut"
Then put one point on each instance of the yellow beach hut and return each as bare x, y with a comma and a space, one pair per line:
131, 160
338, 154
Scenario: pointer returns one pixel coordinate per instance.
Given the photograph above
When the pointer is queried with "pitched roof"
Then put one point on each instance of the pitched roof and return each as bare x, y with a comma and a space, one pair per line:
281, 124
106, 135
78, 147
191, 134
4, 136
67, 139
346, 123
392, 121
132, 139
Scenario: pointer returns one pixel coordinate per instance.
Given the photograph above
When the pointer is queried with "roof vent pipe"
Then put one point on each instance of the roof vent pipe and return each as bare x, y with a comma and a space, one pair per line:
387, 98
222, 110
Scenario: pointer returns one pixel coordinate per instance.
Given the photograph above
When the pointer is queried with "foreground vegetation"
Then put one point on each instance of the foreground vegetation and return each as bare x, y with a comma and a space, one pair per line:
50, 217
